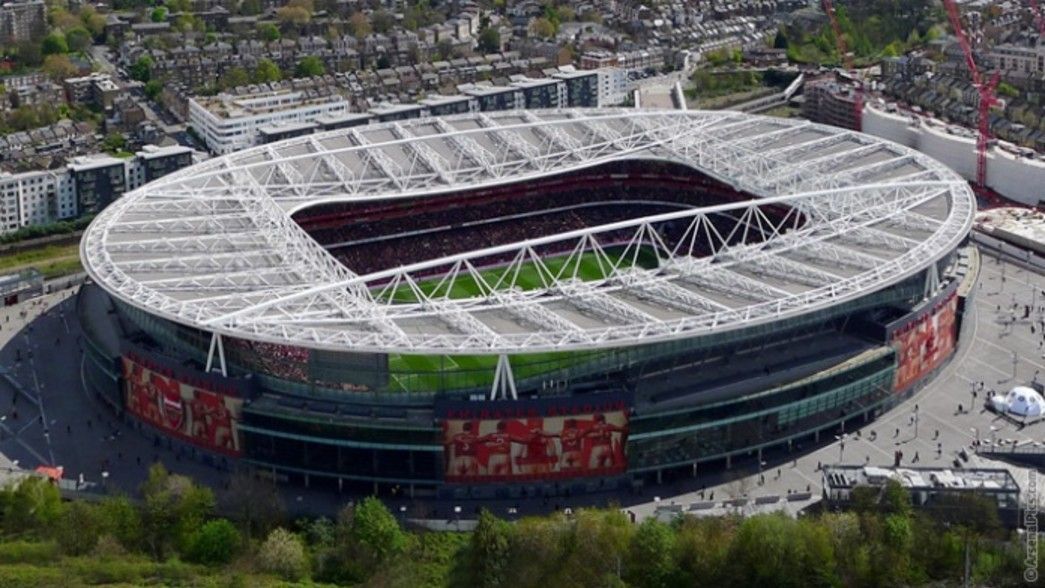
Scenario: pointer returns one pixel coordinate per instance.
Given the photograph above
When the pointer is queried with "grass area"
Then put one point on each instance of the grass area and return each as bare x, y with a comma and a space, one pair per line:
52, 260
41, 563
434, 372
784, 112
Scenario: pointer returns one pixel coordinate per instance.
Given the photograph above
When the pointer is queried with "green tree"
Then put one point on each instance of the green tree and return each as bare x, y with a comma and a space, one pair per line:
174, 509
59, 67
266, 71
310, 66
374, 528
121, 520
78, 39
250, 7
141, 69
92, 21
780, 41
489, 40
382, 21
153, 89
235, 77
158, 14
78, 528
359, 24
34, 505
489, 551
268, 32
284, 555
54, 43
649, 560
114, 142
1008, 90
214, 543
542, 28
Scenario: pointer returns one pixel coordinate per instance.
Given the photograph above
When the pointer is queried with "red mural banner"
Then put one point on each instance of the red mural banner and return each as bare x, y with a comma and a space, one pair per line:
205, 418
924, 343
535, 447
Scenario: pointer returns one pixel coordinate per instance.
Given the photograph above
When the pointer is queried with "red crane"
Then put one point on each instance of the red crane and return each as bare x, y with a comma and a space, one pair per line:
986, 90
1036, 9
847, 59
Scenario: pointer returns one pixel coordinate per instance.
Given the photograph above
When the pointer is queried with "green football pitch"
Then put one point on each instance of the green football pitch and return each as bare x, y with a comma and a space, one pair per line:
425, 373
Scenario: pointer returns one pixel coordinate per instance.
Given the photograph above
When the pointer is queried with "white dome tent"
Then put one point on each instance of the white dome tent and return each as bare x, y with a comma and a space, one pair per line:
1021, 401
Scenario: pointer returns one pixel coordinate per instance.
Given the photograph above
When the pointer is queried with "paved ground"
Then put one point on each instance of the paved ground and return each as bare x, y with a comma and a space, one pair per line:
47, 418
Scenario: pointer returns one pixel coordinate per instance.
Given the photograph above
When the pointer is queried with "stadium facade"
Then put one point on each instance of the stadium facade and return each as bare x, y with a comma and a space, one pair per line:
526, 303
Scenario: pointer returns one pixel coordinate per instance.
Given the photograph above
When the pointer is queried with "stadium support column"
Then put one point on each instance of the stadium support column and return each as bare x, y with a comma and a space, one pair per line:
216, 345
932, 281
503, 381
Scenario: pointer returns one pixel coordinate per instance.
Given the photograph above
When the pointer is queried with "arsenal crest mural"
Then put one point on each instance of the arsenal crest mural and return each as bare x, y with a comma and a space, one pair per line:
205, 418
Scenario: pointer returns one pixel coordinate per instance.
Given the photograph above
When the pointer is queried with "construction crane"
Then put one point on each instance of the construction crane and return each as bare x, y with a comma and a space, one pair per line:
1038, 18
847, 59
986, 91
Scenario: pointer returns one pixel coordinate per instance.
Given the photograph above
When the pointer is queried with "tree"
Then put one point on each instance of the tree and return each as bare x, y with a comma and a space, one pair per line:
293, 15
54, 43
382, 21
59, 67
310, 66
489, 551
1008, 90
490, 40
120, 519
268, 32
374, 528
359, 24
283, 554
214, 543
235, 77
141, 69
542, 28
255, 503
267, 71
780, 41
158, 14
33, 505
92, 21
29, 54
649, 561
250, 7
174, 509
78, 528
78, 39
153, 88
114, 142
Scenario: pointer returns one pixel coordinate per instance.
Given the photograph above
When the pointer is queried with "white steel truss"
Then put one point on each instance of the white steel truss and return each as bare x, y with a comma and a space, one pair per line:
833, 215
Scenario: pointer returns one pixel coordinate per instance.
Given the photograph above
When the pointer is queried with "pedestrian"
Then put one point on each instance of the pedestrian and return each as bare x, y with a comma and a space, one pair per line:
916, 457
939, 448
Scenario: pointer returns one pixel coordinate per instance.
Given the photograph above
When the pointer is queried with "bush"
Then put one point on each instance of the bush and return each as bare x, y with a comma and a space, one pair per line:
27, 552
283, 554
213, 543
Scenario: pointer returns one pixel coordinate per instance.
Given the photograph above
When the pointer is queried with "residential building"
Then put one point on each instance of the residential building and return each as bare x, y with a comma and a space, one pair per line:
831, 102
541, 93
97, 88
99, 180
21, 21
35, 198
229, 123
1020, 59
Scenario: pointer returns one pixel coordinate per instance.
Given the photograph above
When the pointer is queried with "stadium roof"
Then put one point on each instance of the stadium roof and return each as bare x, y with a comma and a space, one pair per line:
213, 246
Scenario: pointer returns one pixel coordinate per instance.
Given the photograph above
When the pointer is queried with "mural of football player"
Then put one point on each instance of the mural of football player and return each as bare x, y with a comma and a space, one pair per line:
463, 447
601, 435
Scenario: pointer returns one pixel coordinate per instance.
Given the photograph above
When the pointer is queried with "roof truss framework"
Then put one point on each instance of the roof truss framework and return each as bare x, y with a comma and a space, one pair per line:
214, 246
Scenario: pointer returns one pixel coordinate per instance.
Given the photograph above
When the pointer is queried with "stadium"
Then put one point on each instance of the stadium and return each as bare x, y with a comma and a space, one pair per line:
525, 302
